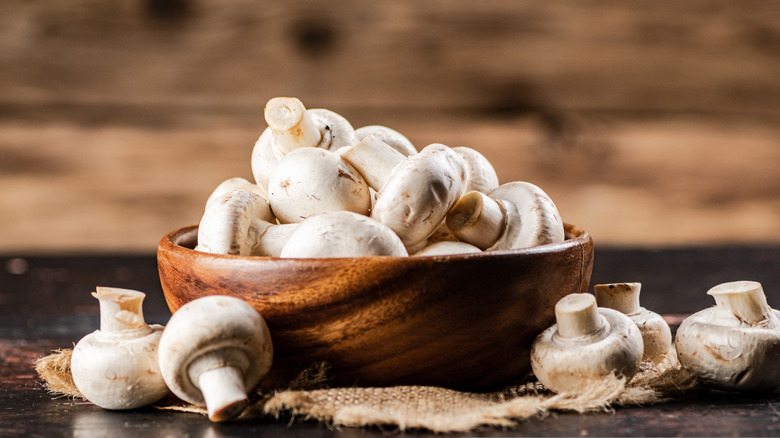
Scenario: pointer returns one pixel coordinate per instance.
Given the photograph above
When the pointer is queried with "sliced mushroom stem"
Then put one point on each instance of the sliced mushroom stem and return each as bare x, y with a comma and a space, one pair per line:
292, 125
745, 299
623, 297
577, 315
374, 159
476, 219
120, 309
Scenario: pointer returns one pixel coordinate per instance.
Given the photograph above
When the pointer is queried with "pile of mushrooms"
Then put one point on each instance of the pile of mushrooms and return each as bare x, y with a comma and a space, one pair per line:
367, 189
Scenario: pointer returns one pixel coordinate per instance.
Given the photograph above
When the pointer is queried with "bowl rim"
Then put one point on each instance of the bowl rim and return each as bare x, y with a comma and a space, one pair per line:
576, 236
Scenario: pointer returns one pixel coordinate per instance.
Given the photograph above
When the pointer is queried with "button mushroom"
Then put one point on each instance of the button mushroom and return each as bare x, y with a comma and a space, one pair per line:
447, 247
213, 351
240, 222
656, 335
390, 136
585, 345
480, 174
414, 193
514, 215
116, 366
236, 183
734, 345
342, 234
292, 126
310, 181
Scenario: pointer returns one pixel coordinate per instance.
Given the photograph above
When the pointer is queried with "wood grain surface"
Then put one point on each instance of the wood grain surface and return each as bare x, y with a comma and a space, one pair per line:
647, 124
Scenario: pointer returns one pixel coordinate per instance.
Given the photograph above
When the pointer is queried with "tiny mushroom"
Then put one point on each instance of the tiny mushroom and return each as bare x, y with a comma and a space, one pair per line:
734, 345
514, 215
116, 367
310, 181
214, 350
292, 126
413, 193
586, 344
390, 136
240, 222
480, 174
342, 234
448, 247
656, 334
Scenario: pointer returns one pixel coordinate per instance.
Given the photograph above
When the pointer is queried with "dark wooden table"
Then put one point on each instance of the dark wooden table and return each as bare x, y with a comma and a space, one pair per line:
45, 304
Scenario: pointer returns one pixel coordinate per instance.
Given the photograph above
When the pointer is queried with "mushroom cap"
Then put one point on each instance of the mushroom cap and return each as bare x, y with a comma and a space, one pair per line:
119, 371
571, 364
230, 223
532, 218
416, 198
336, 131
480, 174
205, 326
448, 247
342, 234
727, 353
264, 158
310, 181
237, 183
388, 135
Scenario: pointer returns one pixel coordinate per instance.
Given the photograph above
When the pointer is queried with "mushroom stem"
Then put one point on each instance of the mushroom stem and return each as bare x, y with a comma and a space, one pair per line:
220, 377
577, 315
374, 159
292, 126
120, 309
745, 299
623, 297
477, 219
224, 392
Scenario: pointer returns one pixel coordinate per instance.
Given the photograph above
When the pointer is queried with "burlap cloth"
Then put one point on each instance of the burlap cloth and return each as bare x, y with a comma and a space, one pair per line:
421, 407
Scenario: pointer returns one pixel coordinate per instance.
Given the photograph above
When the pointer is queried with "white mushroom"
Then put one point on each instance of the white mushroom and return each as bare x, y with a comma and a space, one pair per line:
656, 334
292, 126
240, 222
390, 136
116, 367
414, 193
586, 344
310, 181
446, 247
342, 234
213, 351
236, 183
734, 345
480, 174
514, 215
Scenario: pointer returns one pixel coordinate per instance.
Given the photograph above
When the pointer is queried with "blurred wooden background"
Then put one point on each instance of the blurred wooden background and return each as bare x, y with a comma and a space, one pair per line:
651, 124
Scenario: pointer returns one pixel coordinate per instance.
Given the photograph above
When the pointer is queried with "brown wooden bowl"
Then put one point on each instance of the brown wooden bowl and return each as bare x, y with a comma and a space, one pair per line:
462, 321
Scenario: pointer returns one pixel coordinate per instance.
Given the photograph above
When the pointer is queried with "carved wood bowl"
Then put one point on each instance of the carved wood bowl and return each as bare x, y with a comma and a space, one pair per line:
462, 321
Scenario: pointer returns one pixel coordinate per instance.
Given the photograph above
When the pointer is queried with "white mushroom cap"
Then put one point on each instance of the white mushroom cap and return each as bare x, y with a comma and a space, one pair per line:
480, 174
310, 181
213, 351
417, 196
116, 367
514, 215
447, 247
238, 183
656, 334
736, 344
292, 126
390, 136
342, 234
239, 222
586, 345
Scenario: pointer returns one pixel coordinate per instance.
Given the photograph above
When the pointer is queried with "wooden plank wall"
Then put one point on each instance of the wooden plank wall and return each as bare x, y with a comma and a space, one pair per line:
651, 123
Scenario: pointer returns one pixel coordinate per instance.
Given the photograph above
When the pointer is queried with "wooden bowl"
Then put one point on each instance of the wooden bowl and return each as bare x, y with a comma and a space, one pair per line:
461, 321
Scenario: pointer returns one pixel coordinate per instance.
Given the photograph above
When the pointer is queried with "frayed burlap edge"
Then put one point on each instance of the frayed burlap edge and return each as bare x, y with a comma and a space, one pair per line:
424, 407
